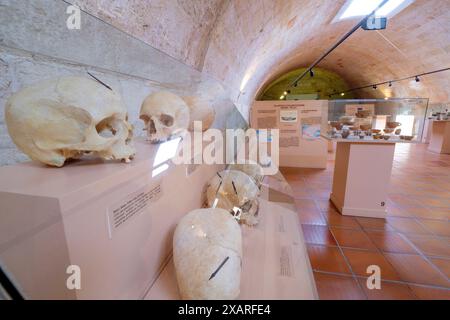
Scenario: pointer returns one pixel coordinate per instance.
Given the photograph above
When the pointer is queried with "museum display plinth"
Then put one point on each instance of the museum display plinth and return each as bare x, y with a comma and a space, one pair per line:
113, 220
275, 263
361, 177
440, 136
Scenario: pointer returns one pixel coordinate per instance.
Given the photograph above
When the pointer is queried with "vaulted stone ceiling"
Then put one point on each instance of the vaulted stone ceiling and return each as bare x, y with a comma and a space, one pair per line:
246, 44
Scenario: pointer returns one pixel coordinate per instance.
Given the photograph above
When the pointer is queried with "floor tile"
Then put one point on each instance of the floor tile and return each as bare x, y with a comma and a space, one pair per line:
431, 245
406, 225
352, 238
374, 224
359, 261
415, 269
334, 287
388, 241
443, 265
336, 219
329, 259
426, 293
440, 228
308, 217
388, 291
316, 234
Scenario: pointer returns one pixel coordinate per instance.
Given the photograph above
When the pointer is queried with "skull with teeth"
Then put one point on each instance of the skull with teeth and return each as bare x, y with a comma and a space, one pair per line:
68, 117
166, 116
235, 192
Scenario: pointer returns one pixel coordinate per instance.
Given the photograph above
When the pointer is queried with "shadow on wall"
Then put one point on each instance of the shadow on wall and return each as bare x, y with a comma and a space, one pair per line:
318, 87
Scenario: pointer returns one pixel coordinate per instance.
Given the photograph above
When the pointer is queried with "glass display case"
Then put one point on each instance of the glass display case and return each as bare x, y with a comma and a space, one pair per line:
399, 120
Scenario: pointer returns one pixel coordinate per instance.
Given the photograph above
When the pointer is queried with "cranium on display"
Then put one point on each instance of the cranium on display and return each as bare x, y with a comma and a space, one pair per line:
200, 110
165, 114
235, 192
68, 117
253, 170
207, 254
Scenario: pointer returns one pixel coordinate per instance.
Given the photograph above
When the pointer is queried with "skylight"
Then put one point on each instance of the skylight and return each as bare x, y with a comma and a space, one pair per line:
360, 8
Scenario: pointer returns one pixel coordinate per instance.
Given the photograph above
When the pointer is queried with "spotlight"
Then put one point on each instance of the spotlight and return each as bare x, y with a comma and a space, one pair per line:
285, 93
374, 87
282, 97
289, 91
311, 73
417, 79
295, 84
390, 84
342, 94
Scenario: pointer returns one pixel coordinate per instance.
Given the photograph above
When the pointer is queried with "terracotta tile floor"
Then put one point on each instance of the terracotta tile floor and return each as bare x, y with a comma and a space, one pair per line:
411, 246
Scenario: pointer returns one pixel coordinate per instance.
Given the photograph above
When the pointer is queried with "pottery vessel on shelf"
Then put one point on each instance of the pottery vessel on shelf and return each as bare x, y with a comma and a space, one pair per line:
376, 131
388, 130
347, 120
392, 124
398, 131
365, 127
408, 138
362, 114
377, 136
386, 137
336, 124
345, 134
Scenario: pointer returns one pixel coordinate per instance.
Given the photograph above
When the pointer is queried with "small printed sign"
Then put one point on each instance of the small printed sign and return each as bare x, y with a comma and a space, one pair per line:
132, 205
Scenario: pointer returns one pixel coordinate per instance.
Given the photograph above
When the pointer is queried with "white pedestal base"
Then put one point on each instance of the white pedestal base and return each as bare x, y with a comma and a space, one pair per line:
361, 178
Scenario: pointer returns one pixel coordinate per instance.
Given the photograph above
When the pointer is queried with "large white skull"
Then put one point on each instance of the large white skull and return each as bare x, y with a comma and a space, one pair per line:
67, 117
207, 254
235, 192
200, 110
165, 114
253, 170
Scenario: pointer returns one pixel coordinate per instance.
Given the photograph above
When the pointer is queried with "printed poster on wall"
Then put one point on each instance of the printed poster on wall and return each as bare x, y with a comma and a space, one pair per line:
311, 128
288, 115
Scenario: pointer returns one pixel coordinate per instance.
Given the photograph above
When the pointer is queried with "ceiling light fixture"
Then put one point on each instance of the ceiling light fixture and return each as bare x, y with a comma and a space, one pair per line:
390, 83
311, 73
417, 79
359, 8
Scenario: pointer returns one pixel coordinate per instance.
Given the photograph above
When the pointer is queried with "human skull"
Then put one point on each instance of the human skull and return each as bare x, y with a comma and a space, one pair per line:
68, 117
207, 254
165, 114
253, 170
200, 110
235, 192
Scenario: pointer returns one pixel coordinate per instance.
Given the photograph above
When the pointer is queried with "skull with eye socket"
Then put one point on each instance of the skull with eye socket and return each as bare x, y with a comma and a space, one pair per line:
165, 115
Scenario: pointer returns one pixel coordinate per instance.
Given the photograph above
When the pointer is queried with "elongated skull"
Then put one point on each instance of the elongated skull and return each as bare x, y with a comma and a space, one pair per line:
166, 116
253, 170
207, 254
68, 117
235, 192
200, 110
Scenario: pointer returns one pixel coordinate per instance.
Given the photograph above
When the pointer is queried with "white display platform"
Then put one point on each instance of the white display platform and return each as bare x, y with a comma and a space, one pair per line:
361, 177
113, 220
275, 262
440, 136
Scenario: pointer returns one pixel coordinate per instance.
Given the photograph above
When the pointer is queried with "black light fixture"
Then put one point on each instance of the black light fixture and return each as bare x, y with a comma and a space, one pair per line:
390, 83
311, 73
417, 79
374, 87
289, 91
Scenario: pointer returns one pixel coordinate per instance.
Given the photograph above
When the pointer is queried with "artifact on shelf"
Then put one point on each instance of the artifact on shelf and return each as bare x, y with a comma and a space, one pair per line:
165, 115
336, 124
377, 136
386, 137
199, 110
235, 192
207, 254
67, 118
253, 170
388, 130
365, 127
408, 138
345, 134
376, 131
347, 120
398, 131
392, 124
363, 114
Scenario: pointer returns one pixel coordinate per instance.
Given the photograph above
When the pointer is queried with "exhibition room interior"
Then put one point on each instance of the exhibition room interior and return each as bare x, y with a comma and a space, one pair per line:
225, 150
